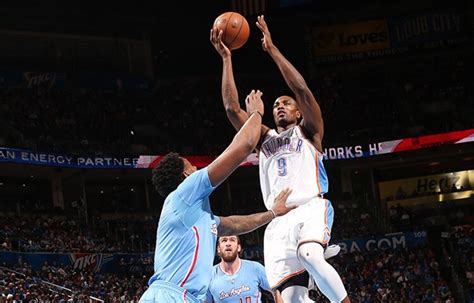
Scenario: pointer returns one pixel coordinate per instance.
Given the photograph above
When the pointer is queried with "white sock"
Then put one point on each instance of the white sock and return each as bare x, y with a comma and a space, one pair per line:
311, 255
295, 294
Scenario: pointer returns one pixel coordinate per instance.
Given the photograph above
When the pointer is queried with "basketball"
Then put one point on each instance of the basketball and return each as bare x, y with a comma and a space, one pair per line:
235, 29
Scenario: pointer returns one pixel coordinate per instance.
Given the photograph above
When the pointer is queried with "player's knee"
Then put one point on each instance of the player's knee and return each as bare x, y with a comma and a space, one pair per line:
311, 253
294, 293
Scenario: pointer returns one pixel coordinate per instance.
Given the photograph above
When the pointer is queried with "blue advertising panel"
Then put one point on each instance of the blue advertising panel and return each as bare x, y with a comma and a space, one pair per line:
386, 242
64, 160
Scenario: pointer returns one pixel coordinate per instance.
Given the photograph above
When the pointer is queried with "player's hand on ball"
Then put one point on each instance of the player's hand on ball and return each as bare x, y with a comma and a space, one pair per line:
267, 42
279, 205
254, 102
216, 40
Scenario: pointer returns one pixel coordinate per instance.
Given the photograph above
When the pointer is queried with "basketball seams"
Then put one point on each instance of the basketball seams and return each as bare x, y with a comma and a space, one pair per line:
226, 26
237, 34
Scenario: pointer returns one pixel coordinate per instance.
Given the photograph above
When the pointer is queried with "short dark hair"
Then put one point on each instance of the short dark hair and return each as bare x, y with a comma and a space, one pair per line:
168, 174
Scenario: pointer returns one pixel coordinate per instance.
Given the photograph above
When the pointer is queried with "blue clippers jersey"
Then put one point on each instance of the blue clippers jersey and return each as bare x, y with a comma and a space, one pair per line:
186, 236
241, 287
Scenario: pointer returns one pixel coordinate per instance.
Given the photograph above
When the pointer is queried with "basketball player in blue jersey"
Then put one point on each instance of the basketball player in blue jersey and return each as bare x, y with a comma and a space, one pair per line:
187, 229
235, 280
290, 156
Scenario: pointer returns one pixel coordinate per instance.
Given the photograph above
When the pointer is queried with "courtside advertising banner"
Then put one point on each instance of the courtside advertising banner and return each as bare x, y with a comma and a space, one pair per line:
344, 152
389, 242
21, 156
426, 185
11, 155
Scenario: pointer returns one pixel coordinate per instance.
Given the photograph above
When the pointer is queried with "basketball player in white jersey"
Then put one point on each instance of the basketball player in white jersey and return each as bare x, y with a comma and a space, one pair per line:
290, 156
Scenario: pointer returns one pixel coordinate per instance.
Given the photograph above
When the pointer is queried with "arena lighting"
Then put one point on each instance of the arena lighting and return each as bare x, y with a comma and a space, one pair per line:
101, 191
1, 183
31, 176
132, 189
24, 185
454, 196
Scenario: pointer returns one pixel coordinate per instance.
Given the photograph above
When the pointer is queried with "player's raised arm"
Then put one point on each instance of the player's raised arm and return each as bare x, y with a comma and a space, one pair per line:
243, 143
307, 104
237, 225
230, 95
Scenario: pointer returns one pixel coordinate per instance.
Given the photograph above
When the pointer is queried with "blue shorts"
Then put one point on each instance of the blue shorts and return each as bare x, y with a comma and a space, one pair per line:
165, 292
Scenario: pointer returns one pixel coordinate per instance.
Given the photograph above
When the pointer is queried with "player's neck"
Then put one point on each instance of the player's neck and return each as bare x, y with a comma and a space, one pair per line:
282, 128
231, 268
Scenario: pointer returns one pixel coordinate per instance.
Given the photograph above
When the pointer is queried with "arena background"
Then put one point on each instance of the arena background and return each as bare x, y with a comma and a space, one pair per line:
92, 93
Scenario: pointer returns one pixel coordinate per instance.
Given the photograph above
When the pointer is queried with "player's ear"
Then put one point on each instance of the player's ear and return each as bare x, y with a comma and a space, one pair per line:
298, 115
239, 248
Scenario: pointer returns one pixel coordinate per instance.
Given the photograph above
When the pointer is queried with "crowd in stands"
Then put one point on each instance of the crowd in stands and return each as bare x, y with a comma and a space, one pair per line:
60, 234
55, 233
34, 232
392, 276
381, 275
396, 98
352, 219
58, 120
377, 100
115, 124
446, 214
55, 283
378, 276
462, 237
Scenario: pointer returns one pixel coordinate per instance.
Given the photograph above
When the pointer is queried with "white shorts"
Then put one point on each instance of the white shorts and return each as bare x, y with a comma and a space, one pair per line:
310, 222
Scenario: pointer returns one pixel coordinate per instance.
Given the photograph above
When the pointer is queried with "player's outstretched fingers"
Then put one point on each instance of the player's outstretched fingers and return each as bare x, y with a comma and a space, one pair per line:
261, 24
284, 194
219, 37
280, 207
247, 99
215, 33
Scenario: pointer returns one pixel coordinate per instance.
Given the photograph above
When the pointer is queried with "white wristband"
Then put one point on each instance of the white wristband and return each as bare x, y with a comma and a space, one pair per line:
273, 213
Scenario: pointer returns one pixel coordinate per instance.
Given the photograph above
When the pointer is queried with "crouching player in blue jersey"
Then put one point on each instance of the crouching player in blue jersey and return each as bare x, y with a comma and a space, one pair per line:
187, 229
235, 280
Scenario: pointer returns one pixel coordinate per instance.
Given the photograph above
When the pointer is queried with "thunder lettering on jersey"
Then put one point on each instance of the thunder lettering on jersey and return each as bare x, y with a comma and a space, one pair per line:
289, 160
186, 236
243, 286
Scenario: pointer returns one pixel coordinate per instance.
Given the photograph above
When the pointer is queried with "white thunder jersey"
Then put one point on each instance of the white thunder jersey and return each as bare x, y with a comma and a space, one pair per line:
289, 160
